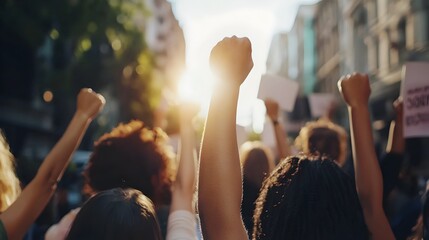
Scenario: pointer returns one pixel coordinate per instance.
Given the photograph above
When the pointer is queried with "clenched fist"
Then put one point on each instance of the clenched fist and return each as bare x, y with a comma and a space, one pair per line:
272, 109
231, 59
355, 89
89, 103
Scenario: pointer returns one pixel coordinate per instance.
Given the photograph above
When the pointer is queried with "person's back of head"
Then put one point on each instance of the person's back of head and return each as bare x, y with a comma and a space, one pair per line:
325, 138
257, 162
308, 198
133, 156
116, 214
9, 183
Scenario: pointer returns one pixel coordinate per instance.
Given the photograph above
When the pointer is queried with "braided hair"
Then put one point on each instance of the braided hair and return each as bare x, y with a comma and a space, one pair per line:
308, 197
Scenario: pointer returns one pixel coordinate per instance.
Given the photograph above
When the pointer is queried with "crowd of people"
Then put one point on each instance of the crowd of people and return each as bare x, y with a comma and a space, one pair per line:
138, 188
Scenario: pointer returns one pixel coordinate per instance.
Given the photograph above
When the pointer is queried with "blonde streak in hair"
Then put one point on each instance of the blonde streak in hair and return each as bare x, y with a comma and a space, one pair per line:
9, 183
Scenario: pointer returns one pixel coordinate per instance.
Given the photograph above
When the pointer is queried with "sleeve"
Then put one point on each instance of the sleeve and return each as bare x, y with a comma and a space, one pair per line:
181, 226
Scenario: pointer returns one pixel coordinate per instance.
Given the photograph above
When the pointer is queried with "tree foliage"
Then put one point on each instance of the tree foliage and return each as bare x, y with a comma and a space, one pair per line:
79, 43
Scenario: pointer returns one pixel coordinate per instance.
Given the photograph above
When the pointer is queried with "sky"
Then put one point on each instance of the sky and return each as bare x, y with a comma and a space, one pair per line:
205, 22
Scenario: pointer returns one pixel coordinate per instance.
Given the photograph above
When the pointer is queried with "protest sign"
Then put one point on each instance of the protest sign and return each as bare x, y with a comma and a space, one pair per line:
282, 90
415, 93
320, 103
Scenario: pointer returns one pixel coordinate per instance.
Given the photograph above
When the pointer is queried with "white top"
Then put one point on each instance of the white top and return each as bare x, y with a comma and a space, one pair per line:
181, 226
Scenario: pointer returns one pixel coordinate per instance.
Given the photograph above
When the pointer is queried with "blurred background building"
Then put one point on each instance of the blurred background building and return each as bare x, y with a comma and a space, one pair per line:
336, 37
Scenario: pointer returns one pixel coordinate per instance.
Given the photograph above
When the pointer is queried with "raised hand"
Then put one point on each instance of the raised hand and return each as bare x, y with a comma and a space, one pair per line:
369, 184
89, 103
231, 59
272, 109
188, 110
220, 183
355, 89
33, 199
281, 140
398, 105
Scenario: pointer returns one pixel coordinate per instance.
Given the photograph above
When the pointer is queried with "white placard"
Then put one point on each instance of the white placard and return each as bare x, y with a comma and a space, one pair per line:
415, 92
320, 103
282, 90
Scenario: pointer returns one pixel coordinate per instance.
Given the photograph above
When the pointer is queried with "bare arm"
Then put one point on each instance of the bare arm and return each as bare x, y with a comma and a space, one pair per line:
184, 186
396, 141
220, 180
355, 90
281, 139
22, 213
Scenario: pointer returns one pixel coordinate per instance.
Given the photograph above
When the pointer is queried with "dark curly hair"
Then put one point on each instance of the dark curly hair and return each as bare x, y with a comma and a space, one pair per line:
308, 198
133, 156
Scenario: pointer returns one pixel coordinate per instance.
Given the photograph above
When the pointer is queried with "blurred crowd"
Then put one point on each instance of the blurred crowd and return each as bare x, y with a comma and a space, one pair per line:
135, 186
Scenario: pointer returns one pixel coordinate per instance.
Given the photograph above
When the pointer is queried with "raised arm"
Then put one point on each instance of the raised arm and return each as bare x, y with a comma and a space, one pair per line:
33, 199
281, 139
356, 90
396, 141
184, 186
182, 221
391, 162
220, 180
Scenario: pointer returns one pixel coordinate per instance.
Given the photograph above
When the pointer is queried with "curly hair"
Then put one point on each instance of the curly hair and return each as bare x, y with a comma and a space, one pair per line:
308, 198
133, 156
325, 138
9, 183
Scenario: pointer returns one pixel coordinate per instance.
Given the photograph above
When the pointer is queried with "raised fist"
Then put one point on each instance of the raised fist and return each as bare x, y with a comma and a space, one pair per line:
89, 103
272, 109
188, 110
231, 59
355, 89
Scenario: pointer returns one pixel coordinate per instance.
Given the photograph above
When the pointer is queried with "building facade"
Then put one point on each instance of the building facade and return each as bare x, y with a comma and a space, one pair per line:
302, 51
278, 56
326, 22
165, 38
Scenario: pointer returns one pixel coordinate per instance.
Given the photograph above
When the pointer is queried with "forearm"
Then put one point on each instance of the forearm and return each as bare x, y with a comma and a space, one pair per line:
184, 186
396, 142
220, 182
367, 171
368, 175
56, 161
19, 217
281, 140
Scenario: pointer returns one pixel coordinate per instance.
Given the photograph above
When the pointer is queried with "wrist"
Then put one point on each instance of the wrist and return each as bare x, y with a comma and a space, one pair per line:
187, 127
82, 116
275, 121
359, 106
227, 82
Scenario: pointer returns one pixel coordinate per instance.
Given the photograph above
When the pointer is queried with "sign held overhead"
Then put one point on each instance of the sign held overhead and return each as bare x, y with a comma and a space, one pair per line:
415, 92
282, 90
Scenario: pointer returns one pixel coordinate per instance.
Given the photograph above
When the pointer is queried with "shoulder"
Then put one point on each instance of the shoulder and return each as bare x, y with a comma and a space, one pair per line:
60, 230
